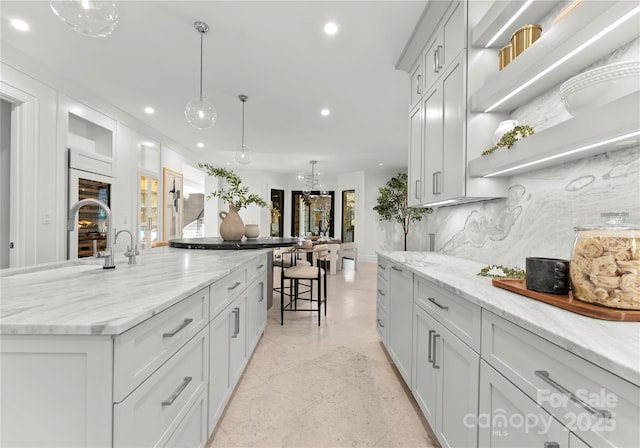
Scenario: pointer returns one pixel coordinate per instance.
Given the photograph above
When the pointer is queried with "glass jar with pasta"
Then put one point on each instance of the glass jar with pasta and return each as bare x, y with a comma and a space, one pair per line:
605, 264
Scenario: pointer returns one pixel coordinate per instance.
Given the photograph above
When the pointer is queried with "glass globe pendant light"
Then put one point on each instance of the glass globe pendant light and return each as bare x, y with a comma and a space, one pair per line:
92, 18
200, 112
243, 154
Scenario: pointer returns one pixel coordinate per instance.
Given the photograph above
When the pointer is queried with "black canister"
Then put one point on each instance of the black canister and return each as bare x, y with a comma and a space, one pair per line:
549, 275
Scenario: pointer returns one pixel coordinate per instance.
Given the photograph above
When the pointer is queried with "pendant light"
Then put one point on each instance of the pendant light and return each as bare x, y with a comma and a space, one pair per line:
200, 112
91, 18
243, 154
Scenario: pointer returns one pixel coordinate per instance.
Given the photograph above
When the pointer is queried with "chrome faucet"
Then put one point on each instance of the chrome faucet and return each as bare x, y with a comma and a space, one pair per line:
132, 250
71, 222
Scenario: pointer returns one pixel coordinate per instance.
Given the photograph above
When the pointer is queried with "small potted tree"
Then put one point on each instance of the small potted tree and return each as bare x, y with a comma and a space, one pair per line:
393, 205
236, 197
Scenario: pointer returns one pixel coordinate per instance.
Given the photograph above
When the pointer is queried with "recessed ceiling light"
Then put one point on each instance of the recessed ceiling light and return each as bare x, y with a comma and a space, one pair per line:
330, 28
200, 145
20, 24
325, 112
379, 164
149, 110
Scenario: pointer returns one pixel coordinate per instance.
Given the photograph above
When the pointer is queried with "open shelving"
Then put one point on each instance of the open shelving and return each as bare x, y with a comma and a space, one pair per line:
563, 142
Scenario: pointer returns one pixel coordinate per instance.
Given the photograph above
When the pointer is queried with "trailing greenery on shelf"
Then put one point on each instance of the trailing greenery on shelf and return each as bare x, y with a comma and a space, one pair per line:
236, 195
498, 271
508, 139
393, 205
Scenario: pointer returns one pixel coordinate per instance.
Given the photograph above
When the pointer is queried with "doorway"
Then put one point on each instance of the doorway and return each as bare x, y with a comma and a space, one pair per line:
277, 213
312, 214
348, 216
5, 184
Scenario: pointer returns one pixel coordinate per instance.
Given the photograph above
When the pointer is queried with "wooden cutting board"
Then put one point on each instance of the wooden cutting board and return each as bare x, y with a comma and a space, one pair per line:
567, 302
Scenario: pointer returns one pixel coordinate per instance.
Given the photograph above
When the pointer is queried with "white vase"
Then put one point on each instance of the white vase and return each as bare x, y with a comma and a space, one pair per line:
503, 128
251, 231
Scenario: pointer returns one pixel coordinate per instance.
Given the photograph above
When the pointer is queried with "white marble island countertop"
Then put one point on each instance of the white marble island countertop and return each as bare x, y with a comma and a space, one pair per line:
81, 298
614, 346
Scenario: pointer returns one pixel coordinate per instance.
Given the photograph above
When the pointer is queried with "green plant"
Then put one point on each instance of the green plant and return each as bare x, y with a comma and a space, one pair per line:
508, 139
393, 206
499, 271
236, 195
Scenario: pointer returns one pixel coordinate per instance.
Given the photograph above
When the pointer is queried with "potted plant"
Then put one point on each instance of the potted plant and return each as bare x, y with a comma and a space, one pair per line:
236, 197
393, 205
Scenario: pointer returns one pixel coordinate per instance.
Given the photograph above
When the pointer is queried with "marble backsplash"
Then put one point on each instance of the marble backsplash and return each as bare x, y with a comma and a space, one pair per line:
543, 207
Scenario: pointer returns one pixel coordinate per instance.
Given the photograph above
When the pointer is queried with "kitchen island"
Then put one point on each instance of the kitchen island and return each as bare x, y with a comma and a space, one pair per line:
141, 355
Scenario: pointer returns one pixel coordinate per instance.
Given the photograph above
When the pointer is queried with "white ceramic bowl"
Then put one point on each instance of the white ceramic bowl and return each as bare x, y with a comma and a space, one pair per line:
600, 86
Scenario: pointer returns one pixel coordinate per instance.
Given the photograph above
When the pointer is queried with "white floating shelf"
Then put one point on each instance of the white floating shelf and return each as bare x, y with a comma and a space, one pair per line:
578, 27
500, 13
554, 145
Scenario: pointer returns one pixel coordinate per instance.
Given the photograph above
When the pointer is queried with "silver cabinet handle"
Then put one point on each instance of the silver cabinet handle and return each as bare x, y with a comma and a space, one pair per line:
434, 188
396, 269
435, 342
417, 195
178, 329
551, 445
418, 85
381, 292
380, 324
261, 292
236, 330
591, 410
435, 61
380, 266
169, 401
235, 285
260, 267
439, 58
430, 353
434, 301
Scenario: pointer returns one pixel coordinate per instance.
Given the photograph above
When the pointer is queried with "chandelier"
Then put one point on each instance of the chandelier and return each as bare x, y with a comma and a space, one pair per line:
311, 181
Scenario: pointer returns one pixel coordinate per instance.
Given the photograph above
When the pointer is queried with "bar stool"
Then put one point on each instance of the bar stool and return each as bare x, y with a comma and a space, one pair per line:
311, 274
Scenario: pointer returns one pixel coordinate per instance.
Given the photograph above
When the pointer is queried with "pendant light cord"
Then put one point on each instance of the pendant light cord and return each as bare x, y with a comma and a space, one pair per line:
243, 126
201, 39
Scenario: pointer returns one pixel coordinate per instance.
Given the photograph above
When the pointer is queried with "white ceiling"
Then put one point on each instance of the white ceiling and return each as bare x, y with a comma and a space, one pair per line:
275, 52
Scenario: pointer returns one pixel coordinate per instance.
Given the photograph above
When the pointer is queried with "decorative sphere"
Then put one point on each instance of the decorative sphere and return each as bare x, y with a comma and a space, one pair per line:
200, 113
92, 18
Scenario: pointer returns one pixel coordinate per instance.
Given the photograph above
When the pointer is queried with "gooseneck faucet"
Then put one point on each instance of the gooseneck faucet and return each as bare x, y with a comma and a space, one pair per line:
71, 222
132, 250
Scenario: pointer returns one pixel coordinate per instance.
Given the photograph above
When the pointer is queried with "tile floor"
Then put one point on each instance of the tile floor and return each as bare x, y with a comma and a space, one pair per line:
327, 386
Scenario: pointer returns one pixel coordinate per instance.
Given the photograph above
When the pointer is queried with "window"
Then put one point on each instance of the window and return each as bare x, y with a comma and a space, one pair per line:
348, 215
312, 213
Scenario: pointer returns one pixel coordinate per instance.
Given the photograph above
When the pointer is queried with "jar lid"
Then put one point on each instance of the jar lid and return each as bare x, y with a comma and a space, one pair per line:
613, 221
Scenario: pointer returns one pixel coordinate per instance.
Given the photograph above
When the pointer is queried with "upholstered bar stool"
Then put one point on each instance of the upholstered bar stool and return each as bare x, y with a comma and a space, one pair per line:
310, 274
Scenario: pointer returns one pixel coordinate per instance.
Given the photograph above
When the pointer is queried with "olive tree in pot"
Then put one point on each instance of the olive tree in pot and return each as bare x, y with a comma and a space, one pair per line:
393, 205
236, 197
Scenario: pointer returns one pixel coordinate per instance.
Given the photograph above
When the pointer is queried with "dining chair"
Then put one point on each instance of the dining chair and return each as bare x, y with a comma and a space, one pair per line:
350, 252
295, 274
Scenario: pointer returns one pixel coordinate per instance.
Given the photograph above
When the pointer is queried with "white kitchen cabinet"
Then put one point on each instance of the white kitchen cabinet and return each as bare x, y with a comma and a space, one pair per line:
256, 311
416, 85
56, 391
445, 380
416, 126
192, 431
151, 414
600, 408
444, 136
399, 319
508, 418
228, 349
446, 42
382, 294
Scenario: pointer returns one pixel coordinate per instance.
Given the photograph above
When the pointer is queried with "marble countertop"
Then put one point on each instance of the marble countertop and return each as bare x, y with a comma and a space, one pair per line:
80, 298
614, 346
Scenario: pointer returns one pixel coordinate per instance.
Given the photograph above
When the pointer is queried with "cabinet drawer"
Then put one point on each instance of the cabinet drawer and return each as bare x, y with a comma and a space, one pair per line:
255, 268
382, 268
575, 391
382, 291
460, 316
151, 414
226, 289
142, 350
192, 432
381, 324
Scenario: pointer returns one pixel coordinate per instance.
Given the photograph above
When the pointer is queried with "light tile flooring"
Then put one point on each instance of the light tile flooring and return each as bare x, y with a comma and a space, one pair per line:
327, 386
